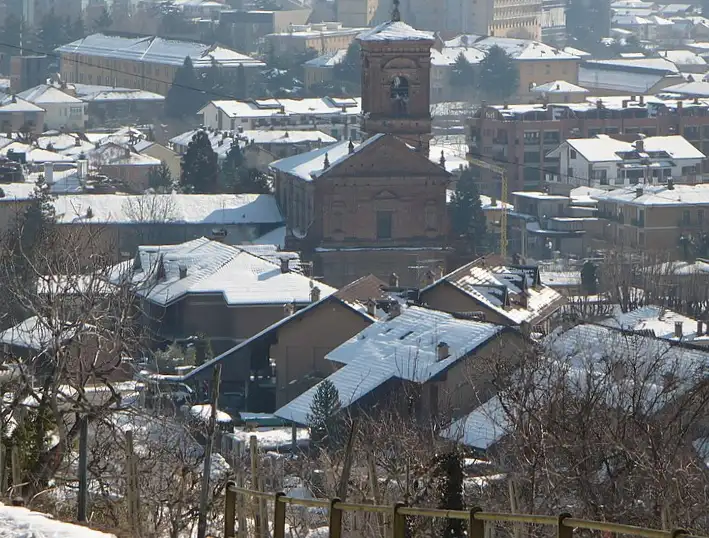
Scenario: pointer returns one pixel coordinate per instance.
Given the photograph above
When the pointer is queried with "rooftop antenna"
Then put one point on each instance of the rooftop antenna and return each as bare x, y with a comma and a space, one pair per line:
395, 13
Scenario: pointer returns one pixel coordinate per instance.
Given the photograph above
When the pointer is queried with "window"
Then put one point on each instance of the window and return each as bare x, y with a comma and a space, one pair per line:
431, 216
685, 217
572, 154
600, 175
384, 221
700, 217
641, 239
551, 137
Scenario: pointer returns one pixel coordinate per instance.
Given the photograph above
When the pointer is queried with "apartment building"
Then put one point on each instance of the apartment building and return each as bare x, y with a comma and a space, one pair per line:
322, 37
653, 217
520, 137
246, 29
146, 63
515, 18
335, 116
554, 21
606, 162
538, 64
356, 13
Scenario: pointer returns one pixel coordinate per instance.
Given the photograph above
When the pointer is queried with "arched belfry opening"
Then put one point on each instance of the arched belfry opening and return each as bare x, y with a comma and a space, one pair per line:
399, 95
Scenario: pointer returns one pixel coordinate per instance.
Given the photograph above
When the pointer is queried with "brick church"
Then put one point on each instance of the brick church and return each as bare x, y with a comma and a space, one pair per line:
379, 206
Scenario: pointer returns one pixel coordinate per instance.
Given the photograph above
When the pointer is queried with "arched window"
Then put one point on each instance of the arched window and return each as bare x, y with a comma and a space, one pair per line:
399, 94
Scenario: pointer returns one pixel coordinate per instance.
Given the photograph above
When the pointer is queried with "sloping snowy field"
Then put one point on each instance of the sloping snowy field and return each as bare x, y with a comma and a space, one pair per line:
16, 522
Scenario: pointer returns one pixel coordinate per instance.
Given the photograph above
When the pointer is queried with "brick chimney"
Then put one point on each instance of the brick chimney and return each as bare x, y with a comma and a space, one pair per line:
678, 329
288, 310
371, 307
443, 351
700, 328
285, 266
314, 294
393, 280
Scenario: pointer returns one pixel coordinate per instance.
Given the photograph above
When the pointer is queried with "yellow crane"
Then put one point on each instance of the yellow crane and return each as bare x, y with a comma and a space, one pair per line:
503, 213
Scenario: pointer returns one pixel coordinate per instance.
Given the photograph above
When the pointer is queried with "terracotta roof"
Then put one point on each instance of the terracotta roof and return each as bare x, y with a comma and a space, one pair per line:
363, 289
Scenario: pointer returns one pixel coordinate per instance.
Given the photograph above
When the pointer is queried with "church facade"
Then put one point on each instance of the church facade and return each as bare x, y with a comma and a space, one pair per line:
378, 207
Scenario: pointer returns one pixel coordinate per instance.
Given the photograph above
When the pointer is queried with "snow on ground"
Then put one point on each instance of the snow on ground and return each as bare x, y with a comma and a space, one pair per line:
16, 522
274, 438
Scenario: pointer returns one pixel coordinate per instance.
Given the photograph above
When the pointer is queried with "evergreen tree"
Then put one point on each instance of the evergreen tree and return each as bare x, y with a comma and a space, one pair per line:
449, 471
325, 424
348, 73
229, 170
589, 278
160, 178
76, 30
184, 96
499, 76
252, 181
200, 168
463, 75
467, 217
240, 85
235, 177
52, 32
104, 21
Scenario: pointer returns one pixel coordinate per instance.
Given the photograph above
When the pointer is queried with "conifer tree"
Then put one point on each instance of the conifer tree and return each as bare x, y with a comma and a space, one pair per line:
499, 76
200, 169
325, 424
184, 96
467, 217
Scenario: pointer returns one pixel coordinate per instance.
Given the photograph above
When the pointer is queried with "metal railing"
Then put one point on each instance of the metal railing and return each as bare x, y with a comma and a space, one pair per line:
476, 518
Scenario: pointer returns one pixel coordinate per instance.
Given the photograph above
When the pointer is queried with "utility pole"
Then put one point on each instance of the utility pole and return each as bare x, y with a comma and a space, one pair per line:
204, 495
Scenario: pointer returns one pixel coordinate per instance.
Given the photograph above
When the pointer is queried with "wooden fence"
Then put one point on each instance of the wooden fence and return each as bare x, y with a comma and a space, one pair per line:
564, 524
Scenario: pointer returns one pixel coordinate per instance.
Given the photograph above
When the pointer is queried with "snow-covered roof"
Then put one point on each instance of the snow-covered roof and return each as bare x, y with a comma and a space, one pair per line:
689, 89
203, 266
576, 52
214, 209
45, 95
267, 108
683, 57
448, 55
12, 103
524, 49
34, 155
394, 31
35, 333
19, 522
603, 148
560, 279
329, 59
602, 77
658, 195
404, 347
659, 321
501, 288
481, 428
559, 86
157, 50
311, 162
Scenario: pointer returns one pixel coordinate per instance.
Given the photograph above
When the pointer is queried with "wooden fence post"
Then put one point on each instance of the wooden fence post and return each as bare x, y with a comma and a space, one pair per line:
279, 516
335, 519
562, 530
83, 469
256, 505
476, 527
16, 471
230, 511
398, 526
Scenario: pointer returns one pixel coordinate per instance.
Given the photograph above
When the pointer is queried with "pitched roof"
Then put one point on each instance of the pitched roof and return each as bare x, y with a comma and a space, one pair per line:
45, 94
559, 86
658, 195
501, 287
215, 209
158, 50
394, 31
657, 321
403, 347
363, 289
165, 274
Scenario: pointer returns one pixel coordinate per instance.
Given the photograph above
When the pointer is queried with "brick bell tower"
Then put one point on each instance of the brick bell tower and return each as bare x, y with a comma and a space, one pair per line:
396, 89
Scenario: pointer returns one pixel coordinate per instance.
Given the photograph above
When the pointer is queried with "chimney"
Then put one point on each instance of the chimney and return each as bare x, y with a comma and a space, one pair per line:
393, 280
680, 104
700, 328
638, 191
314, 294
371, 307
678, 329
443, 351
641, 100
640, 145
49, 173
670, 184
77, 142
82, 168
429, 278
394, 310
633, 98
284, 266
288, 310
183, 271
